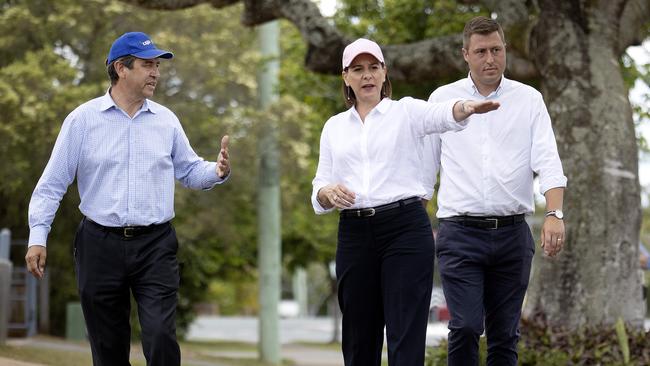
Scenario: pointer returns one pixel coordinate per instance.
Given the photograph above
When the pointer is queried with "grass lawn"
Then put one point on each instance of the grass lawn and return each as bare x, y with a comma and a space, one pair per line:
330, 346
45, 356
62, 353
202, 351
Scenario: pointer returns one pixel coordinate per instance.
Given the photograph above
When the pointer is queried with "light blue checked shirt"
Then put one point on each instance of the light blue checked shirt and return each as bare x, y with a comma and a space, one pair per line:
125, 167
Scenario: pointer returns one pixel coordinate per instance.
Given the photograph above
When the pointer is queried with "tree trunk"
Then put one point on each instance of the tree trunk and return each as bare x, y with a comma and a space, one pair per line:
596, 279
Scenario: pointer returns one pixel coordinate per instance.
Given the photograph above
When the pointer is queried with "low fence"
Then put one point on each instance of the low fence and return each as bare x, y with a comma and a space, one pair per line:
21, 295
5, 287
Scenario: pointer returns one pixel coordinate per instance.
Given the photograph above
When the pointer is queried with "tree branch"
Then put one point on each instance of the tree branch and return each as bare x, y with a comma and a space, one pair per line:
424, 60
325, 42
440, 58
631, 30
510, 13
178, 4
517, 20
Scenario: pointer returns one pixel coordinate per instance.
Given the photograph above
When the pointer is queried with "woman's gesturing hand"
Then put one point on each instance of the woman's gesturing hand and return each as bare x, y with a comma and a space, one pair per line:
335, 195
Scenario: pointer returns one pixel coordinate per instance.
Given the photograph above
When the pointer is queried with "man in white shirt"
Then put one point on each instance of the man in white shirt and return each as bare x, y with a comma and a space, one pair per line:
484, 246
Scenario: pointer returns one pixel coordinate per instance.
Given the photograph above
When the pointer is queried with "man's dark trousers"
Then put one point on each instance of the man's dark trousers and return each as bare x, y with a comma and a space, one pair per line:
384, 268
108, 266
484, 276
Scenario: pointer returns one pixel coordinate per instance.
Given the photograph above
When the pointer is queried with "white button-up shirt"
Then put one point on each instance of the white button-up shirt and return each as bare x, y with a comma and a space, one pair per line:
488, 168
380, 160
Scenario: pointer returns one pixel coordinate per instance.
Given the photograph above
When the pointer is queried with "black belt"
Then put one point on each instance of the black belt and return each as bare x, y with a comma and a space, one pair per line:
487, 222
371, 211
128, 231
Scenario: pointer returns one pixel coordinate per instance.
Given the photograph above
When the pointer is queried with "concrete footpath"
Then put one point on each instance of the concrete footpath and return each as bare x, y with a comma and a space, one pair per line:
300, 355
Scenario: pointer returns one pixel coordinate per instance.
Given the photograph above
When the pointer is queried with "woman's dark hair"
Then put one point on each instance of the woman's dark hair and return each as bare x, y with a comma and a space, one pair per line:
351, 99
126, 60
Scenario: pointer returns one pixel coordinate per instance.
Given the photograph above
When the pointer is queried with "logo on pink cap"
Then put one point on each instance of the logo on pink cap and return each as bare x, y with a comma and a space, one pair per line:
358, 47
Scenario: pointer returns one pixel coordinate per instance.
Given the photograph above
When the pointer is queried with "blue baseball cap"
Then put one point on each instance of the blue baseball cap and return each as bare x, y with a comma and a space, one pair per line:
135, 44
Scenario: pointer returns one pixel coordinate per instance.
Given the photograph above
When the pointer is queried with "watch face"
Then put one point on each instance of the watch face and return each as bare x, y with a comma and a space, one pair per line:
559, 214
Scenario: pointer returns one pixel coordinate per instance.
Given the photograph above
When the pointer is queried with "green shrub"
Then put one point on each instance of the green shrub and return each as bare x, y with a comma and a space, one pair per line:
437, 356
596, 345
606, 345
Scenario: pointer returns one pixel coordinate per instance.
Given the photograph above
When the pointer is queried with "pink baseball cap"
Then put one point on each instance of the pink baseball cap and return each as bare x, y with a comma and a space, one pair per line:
358, 47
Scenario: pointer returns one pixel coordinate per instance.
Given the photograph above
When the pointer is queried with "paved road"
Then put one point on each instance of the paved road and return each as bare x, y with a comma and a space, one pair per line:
294, 330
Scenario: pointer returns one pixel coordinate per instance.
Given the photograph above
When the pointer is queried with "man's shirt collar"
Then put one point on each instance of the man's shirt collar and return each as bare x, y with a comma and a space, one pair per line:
472, 89
107, 103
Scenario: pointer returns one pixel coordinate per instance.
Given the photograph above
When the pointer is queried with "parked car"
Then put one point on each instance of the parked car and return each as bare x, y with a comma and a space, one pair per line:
438, 311
288, 309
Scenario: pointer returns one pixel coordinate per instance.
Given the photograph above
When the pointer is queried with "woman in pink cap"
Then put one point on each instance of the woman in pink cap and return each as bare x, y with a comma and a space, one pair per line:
370, 170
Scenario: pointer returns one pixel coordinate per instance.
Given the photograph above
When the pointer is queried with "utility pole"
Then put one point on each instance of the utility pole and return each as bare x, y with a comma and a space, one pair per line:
268, 203
300, 294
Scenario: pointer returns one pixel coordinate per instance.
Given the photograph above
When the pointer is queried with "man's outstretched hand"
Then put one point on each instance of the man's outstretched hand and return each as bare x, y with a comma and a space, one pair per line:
465, 108
223, 162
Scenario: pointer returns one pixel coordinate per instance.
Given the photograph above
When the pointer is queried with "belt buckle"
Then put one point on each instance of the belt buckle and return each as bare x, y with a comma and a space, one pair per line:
365, 212
129, 232
496, 223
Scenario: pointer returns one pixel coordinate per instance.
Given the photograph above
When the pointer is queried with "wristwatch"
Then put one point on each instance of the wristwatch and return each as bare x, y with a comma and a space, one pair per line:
557, 213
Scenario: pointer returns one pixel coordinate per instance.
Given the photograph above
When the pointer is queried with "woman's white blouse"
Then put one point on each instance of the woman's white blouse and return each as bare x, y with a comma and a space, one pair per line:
380, 159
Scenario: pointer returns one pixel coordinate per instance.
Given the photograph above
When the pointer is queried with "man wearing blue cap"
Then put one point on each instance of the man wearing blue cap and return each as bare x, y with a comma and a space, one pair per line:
125, 151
